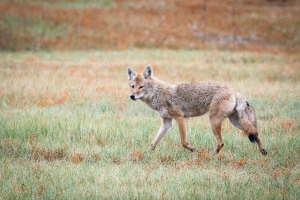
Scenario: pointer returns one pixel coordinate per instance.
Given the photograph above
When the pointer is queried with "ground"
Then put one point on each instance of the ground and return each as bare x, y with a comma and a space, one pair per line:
70, 131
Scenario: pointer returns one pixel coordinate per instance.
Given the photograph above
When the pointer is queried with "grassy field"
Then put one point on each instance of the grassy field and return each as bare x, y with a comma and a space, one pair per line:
68, 129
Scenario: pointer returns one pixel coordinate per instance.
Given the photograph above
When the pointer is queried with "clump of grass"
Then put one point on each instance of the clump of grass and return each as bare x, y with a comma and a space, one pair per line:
77, 157
203, 155
136, 156
38, 153
240, 162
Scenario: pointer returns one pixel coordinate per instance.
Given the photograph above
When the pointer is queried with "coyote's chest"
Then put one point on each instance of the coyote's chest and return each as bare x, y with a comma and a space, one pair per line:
162, 104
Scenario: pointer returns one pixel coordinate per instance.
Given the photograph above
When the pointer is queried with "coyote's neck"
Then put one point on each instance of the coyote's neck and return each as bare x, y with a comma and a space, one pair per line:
160, 83
157, 96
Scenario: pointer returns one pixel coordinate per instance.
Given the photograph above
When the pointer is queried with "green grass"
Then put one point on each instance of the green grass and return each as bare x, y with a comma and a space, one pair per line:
68, 129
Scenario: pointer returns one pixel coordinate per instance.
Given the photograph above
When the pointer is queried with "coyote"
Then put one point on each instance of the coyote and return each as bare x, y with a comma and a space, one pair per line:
184, 100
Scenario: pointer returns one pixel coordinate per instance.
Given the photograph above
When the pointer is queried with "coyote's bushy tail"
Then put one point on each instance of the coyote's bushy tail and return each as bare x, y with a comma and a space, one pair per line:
244, 117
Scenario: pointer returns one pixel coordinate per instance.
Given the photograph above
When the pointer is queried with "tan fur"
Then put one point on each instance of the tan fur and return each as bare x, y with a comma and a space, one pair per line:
183, 100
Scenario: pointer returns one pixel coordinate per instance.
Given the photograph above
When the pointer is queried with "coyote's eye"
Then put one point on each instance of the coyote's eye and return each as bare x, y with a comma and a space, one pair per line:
141, 87
132, 86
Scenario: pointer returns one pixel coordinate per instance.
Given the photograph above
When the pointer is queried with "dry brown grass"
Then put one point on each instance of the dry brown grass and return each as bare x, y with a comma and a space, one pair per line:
260, 161
240, 162
38, 153
276, 173
136, 155
77, 157
288, 126
202, 157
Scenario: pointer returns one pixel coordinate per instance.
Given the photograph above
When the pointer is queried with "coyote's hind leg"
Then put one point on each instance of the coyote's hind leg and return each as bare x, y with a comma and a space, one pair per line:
216, 124
220, 108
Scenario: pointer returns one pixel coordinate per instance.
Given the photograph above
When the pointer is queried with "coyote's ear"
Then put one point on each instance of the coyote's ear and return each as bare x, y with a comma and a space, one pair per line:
148, 72
131, 73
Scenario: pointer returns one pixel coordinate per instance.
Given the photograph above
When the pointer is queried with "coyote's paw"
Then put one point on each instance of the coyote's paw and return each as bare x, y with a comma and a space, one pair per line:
189, 147
152, 147
264, 152
193, 149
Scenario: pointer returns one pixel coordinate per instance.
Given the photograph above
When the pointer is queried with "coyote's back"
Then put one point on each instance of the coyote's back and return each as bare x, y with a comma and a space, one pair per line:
195, 99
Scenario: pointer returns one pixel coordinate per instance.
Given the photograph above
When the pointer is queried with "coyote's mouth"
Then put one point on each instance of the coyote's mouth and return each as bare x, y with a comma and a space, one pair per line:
133, 97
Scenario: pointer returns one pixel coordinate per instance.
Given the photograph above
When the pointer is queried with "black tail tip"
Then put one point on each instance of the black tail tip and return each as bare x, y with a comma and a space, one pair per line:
264, 152
252, 137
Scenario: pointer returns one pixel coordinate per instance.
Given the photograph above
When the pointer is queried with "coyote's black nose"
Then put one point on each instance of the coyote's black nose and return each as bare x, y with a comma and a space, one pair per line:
132, 97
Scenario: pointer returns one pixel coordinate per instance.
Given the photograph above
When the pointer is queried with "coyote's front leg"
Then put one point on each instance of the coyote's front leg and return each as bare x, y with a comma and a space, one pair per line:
182, 130
165, 125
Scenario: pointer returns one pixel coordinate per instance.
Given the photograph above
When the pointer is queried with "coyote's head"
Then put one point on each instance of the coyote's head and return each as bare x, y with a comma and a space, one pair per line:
140, 83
